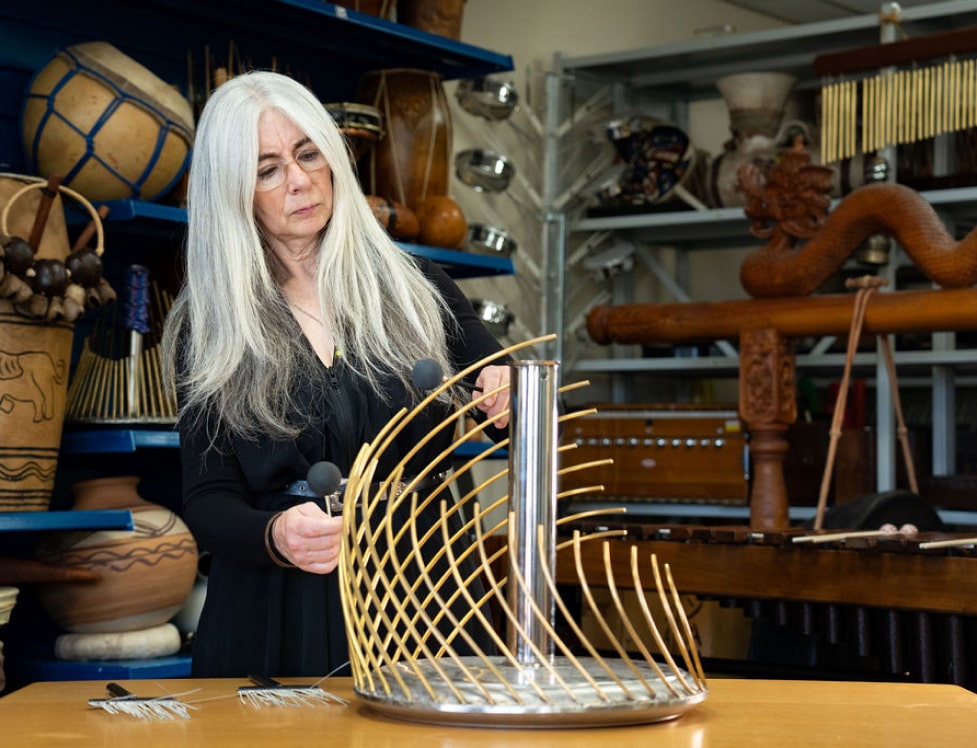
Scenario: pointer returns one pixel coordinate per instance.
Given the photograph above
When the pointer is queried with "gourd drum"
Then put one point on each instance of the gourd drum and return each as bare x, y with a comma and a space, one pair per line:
108, 125
411, 162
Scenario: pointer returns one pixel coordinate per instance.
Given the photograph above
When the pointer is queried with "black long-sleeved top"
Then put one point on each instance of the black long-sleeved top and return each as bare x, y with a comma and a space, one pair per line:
259, 617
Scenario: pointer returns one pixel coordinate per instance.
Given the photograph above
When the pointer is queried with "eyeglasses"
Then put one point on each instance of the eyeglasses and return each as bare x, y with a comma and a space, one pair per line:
271, 173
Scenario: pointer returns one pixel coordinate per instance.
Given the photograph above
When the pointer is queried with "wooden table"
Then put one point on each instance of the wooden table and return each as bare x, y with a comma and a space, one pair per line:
736, 713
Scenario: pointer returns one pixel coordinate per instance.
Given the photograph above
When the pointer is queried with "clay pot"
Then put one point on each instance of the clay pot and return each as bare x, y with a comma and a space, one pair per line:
755, 101
144, 574
399, 220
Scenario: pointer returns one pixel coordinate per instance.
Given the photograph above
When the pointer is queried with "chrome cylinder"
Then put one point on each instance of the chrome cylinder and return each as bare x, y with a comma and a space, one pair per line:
533, 434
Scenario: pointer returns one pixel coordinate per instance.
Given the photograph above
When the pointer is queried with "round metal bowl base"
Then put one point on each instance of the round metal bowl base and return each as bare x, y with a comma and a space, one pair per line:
444, 692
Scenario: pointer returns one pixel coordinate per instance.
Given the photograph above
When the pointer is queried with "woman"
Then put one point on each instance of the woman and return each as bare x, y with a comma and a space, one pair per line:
292, 342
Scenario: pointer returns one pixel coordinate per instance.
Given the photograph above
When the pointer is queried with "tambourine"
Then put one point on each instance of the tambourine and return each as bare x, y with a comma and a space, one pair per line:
360, 123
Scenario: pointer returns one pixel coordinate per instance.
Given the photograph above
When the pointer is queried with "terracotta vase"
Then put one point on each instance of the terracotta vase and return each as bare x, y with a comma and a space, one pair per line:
144, 574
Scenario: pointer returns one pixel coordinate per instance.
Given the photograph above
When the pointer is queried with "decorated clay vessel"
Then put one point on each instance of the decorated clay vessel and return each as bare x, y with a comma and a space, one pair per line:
144, 574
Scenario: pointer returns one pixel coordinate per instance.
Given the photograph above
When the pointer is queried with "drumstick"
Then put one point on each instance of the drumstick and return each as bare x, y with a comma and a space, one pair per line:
48, 193
89, 231
956, 542
832, 537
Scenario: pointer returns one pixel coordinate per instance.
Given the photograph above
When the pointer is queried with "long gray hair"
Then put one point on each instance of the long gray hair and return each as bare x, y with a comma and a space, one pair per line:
239, 346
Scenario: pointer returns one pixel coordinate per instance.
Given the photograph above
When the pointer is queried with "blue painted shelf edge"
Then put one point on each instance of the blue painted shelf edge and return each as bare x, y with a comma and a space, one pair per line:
176, 666
94, 519
474, 449
111, 441
458, 263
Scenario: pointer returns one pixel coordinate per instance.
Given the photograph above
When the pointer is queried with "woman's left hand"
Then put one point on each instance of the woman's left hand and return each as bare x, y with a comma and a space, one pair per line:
489, 379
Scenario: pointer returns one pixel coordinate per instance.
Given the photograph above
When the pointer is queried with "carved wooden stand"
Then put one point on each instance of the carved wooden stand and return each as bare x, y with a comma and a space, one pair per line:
766, 329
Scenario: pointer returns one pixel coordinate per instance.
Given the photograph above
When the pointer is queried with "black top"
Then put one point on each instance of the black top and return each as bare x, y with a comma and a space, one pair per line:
258, 617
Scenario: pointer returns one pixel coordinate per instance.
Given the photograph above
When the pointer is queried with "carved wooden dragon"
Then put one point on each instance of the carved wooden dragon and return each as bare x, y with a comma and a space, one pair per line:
791, 204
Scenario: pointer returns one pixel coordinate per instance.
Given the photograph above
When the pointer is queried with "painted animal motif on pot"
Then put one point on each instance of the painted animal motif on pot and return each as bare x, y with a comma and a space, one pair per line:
30, 377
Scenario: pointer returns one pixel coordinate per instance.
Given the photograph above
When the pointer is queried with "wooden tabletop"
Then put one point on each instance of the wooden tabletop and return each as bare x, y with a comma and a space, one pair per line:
737, 712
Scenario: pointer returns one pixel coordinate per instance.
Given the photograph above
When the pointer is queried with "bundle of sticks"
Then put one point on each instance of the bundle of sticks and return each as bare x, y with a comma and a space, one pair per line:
118, 378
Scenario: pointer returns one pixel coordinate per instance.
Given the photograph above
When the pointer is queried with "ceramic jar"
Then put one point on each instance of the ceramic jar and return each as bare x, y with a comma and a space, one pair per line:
756, 106
144, 574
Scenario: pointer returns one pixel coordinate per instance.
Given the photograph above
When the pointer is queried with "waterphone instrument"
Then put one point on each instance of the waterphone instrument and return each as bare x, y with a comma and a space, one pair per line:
417, 655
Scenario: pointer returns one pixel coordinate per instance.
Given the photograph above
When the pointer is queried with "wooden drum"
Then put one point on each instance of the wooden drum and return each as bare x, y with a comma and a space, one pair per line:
412, 161
107, 124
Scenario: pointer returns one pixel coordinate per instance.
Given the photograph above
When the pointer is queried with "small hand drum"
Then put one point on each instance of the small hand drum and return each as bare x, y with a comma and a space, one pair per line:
359, 123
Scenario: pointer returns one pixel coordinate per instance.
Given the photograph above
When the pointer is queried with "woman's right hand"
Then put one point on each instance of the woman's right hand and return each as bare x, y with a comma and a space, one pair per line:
308, 537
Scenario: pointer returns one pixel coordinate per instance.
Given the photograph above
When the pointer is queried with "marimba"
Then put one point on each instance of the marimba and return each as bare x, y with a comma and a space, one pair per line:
909, 608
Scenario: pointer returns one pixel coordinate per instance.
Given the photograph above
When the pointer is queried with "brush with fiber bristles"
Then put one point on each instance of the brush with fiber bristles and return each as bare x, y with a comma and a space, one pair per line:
123, 701
270, 692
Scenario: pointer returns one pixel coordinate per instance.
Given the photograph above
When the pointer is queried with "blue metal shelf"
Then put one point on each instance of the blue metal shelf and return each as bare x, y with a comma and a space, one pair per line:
176, 666
457, 264
95, 519
327, 46
112, 441
460, 264
474, 449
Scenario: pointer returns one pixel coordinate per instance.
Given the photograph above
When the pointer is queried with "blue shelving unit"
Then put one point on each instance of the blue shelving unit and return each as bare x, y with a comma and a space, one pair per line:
120, 440
328, 46
458, 264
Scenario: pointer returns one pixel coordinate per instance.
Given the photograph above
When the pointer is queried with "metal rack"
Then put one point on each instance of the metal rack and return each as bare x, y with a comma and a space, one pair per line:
664, 80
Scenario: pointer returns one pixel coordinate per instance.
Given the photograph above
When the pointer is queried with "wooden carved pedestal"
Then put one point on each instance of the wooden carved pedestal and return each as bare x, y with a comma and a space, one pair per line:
768, 405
